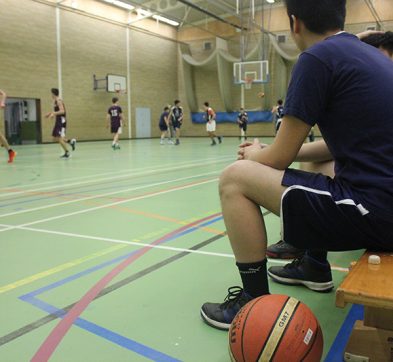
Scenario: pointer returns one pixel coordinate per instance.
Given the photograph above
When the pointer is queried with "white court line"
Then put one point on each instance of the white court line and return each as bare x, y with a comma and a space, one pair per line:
113, 203
128, 174
163, 247
118, 241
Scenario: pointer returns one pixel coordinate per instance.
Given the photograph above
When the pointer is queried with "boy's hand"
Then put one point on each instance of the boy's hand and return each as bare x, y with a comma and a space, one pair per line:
250, 151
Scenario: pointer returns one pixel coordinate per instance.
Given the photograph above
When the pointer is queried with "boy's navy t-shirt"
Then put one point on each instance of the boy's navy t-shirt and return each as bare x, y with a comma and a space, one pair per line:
346, 87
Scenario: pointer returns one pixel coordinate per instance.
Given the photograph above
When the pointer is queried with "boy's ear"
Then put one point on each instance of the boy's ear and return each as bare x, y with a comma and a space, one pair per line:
296, 24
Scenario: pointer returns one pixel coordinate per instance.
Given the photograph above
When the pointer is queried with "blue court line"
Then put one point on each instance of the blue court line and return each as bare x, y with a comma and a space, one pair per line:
94, 328
107, 334
336, 351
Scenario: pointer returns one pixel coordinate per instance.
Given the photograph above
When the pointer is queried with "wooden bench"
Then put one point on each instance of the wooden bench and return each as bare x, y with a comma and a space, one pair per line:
371, 285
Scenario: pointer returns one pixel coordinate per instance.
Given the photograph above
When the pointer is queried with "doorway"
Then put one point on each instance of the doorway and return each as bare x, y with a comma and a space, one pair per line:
22, 121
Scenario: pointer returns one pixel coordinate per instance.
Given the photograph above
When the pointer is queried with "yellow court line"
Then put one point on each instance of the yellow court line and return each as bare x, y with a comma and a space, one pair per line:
59, 268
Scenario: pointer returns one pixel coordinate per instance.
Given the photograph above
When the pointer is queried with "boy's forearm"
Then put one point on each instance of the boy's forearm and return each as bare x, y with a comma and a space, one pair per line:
314, 152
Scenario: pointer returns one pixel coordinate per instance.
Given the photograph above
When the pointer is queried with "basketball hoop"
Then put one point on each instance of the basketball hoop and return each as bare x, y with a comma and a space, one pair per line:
248, 82
120, 92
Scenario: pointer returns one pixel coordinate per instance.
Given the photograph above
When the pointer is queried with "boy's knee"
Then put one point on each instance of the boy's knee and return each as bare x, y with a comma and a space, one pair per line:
233, 175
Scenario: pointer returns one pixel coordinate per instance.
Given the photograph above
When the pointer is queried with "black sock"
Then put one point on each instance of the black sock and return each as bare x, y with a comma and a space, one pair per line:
254, 278
318, 255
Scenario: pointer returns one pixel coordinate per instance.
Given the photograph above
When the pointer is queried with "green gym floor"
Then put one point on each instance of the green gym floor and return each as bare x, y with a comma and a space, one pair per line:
108, 256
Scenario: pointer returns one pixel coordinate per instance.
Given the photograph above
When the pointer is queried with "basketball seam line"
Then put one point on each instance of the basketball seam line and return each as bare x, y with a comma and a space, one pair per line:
285, 329
244, 323
270, 332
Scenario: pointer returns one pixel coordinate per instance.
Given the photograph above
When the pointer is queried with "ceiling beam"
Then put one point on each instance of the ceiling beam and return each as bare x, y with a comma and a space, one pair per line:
207, 12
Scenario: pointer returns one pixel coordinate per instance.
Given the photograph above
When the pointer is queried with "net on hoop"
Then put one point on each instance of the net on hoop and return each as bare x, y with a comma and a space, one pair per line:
248, 82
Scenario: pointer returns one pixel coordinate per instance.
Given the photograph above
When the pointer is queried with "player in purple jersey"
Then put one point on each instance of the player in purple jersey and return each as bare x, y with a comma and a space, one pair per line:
59, 129
3, 140
114, 118
346, 203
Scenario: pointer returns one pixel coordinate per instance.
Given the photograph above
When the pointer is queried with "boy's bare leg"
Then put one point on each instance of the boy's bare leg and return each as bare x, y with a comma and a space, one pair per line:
245, 185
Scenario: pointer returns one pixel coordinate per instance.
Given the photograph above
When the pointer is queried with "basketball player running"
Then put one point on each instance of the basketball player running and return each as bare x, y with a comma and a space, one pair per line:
59, 130
211, 124
242, 120
163, 124
347, 202
177, 119
278, 111
115, 121
3, 140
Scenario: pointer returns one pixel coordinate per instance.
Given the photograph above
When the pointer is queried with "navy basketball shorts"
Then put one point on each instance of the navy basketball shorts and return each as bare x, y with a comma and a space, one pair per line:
176, 124
115, 127
243, 126
58, 130
319, 214
163, 127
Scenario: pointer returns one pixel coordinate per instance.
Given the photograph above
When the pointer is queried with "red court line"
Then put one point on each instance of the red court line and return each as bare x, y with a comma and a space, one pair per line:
53, 340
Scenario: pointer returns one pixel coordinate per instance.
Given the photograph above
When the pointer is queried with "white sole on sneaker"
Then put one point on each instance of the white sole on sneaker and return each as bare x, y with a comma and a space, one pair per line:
318, 287
213, 323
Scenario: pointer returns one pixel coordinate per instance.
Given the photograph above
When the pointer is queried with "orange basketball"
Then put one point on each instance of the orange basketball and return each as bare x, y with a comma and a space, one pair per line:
275, 328
261, 95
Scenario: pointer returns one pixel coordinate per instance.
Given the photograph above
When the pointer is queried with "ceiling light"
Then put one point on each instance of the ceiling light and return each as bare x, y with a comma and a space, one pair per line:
165, 20
120, 4
270, 1
123, 5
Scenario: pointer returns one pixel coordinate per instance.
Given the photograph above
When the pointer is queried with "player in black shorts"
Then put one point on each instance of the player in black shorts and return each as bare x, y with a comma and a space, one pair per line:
114, 118
242, 120
177, 119
59, 130
163, 124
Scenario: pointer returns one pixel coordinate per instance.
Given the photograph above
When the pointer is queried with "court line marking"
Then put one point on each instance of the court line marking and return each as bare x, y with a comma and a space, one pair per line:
113, 193
120, 241
57, 334
45, 320
78, 261
95, 180
135, 243
58, 269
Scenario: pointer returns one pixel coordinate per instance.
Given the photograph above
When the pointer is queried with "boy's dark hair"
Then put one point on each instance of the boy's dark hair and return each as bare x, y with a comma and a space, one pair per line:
166, 108
206, 104
384, 41
176, 102
115, 100
280, 102
55, 92
318, 16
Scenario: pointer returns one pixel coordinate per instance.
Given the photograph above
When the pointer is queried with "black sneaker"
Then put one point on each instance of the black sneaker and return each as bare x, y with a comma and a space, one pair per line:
219, 139
221, 315
283, 250
213, 143
304, 271
177, 143
66, 155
